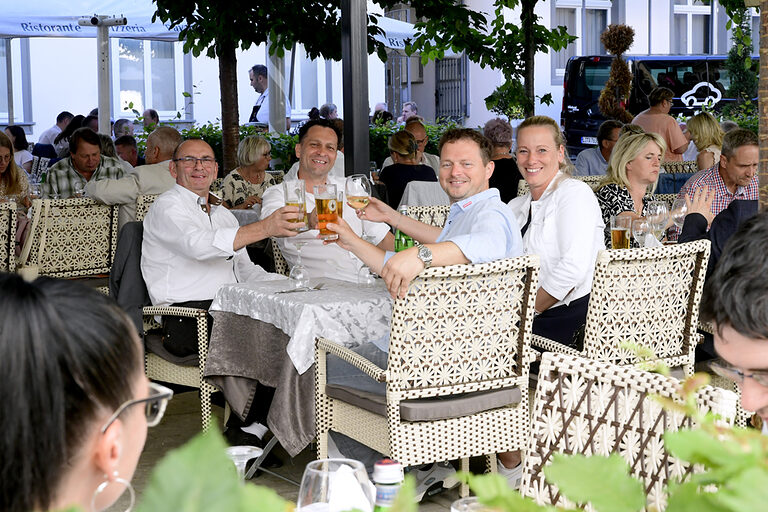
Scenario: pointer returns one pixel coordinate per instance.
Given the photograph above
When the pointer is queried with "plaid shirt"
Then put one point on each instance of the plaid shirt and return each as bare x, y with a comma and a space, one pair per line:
711, 179
62, 178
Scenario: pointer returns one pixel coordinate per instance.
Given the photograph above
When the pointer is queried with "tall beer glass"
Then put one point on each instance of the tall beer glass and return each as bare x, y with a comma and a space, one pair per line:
327, 209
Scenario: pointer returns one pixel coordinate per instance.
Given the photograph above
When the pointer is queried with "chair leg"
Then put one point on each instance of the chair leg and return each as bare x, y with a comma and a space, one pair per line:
205, 404
490, 463
464, 466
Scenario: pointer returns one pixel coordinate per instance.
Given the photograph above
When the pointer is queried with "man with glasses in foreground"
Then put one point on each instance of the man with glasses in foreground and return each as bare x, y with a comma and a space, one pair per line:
735, 301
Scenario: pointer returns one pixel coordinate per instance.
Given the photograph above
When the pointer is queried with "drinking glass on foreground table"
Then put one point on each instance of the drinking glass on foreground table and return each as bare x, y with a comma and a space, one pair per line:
640, 229
240, 455
335, 485
299, 272
679, 210
620, 231
658, 217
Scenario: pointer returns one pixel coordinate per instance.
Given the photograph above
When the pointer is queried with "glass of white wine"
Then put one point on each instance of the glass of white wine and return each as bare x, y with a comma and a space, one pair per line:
358, 190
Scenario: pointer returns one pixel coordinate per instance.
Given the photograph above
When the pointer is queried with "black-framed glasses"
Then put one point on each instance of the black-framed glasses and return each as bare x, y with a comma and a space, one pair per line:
191, 161
154, 405
728, 371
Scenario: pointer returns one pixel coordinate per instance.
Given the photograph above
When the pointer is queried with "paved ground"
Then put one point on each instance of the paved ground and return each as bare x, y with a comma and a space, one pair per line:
182, 422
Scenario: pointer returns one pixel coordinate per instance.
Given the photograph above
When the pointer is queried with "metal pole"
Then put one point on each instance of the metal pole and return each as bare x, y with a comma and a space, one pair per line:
9, 75
102, 41
276, 76
354, 57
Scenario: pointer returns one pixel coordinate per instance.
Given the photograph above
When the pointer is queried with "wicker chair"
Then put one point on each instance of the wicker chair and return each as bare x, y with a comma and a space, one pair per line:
8, 237
667, 198
434, 215
162, 366
281, 266
71, 238
590, 407
647, 296
686, 166
143, 202
462, 332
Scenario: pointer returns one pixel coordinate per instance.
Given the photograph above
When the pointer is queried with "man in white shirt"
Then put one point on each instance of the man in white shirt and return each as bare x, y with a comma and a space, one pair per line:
192, 247
260, 112
62, 121
318, 143
153, 178
415, 126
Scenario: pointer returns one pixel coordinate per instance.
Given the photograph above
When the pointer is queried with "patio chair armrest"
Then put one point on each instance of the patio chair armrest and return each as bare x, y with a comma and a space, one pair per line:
370, 369
548, 345
531, 356
173, 311
706, 327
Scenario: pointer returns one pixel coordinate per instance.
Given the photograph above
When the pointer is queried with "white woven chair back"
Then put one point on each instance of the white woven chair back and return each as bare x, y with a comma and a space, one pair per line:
434, 215
649, 297
590, 407
143, 202
8, 236
463, 328
71, 237
680, 167
592, 181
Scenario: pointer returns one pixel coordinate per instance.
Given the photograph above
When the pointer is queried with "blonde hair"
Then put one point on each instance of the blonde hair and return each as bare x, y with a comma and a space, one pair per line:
627, 149
403, 143
11, 177
705, 131
566, 167
251, 149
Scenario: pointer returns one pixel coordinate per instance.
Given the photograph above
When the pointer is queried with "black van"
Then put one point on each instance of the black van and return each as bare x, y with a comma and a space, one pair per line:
696, 80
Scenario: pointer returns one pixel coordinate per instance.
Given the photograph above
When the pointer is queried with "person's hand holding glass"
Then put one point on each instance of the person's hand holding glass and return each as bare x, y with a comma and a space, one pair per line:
326, 206
295, 195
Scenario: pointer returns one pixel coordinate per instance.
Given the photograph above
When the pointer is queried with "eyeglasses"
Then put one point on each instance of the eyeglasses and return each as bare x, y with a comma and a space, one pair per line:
154, 408
267, 154
5, 158
191, 161
730, 372
421, 141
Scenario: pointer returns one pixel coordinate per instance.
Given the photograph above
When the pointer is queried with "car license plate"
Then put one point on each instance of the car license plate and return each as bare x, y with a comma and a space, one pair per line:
589, 140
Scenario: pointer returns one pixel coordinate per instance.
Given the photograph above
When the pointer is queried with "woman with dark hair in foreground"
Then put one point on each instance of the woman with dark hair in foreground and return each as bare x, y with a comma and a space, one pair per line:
74, 417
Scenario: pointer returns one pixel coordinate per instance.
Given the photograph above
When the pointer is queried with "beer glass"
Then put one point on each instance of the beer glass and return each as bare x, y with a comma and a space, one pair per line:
326, 204
295, 196
620, 228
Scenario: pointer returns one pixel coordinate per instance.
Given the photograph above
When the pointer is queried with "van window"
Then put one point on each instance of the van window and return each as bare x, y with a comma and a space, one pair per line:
590, 79
679, 76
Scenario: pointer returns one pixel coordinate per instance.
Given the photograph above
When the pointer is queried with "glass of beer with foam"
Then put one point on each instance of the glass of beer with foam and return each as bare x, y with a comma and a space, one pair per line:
327, 206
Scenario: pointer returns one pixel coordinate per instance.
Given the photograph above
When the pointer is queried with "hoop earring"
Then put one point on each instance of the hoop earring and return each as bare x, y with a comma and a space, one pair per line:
103, 485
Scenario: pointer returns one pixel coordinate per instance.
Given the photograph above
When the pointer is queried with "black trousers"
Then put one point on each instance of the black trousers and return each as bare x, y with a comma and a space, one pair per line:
564, 323
180, 334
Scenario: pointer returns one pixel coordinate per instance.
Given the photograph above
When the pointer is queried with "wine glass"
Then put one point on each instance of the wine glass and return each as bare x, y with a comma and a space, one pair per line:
657, 214
640, 229
80, 190
358, 190
679, 211
335, 484
240, 455
365, 277
299, 272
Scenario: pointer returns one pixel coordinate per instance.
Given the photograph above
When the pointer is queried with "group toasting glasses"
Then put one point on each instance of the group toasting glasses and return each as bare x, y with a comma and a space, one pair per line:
329, 207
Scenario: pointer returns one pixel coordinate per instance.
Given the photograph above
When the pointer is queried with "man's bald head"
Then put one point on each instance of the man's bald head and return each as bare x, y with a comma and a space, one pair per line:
161, 144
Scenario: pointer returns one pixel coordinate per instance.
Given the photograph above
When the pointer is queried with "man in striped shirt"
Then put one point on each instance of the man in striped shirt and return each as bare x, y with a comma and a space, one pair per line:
734, 177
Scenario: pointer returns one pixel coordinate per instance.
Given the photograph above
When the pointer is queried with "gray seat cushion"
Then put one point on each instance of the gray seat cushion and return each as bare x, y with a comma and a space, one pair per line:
154, 344
428, 409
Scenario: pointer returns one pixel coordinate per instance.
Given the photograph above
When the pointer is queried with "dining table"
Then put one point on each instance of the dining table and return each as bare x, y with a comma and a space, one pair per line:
264, 333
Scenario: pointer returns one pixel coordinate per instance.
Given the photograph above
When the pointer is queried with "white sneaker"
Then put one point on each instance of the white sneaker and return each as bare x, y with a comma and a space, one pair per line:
434, 478
513, 475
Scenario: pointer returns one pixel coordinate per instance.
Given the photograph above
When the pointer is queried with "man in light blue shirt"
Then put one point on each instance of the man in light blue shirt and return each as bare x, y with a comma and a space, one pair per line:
594, 161
480, 228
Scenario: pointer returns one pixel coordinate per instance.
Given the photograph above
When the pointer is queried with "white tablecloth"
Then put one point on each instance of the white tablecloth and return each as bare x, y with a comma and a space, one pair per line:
424, 193
249, 215
343, 312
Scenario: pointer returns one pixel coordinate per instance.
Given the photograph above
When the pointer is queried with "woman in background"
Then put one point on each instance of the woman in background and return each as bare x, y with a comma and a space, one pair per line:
21, 154
708, 136
244, 186
403, 148
506, 176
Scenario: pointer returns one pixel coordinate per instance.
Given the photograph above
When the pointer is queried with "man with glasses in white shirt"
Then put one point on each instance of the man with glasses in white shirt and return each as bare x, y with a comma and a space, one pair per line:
191, 246
735, 302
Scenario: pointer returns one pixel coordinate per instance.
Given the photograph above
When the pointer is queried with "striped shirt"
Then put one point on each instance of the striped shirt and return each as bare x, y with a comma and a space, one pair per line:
711, 179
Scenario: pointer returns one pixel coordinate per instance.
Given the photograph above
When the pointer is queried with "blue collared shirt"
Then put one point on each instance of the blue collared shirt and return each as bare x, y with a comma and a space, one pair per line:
483, 228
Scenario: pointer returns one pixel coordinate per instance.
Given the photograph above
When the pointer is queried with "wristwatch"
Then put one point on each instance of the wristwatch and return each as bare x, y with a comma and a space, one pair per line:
425, 255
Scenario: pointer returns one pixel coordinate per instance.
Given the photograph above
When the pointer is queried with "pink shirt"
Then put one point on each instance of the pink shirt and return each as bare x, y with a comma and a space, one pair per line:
666, 126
